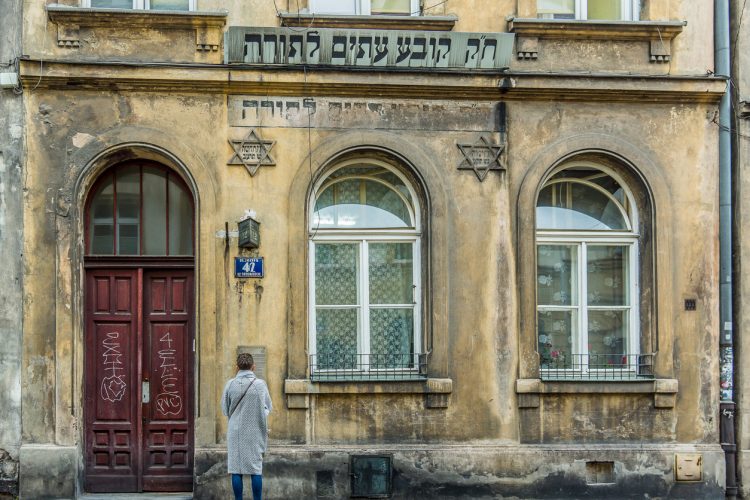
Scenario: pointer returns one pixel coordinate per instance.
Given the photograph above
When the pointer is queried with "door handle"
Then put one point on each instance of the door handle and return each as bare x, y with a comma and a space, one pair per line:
145, 392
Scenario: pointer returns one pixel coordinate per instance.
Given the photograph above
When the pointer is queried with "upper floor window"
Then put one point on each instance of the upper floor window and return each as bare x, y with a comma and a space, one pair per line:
587, 276
365, 7
611, 10
184, 5
140, 209
365, 274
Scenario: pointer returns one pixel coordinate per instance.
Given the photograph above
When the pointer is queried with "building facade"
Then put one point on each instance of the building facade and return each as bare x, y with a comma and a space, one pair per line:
472, 245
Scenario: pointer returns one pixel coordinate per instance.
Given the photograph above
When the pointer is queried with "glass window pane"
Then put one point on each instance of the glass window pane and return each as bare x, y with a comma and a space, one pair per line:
607, 275
391, 338
154, 212
390, 7
556, 9
180, 220
557, 336
101, 225
112, 4
128, 210
391, 273
557, 275
336, 273
336, 338
605, 9
170, 4
358, 203
573, 205
334, 6
608, 342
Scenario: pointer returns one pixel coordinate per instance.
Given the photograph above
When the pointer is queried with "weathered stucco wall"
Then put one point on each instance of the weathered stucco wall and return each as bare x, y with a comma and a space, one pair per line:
11, 241
481, 302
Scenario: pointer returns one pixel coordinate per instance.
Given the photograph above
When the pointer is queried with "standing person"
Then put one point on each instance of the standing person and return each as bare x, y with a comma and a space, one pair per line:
247, 404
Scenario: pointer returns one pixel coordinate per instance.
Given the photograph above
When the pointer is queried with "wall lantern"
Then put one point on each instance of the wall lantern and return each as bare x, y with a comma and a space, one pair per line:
249, 233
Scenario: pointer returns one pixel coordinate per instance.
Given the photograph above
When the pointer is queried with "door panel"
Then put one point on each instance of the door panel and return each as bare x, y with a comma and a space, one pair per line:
110, 411
167, 417
139, 362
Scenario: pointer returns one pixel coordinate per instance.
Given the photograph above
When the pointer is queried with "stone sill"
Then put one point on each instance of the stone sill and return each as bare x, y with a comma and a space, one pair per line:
134, 18
379, 22
436, 390
208, 26
663, 389
596, 30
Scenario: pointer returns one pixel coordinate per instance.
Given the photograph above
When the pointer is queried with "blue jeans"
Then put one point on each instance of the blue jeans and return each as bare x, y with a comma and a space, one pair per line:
256, 481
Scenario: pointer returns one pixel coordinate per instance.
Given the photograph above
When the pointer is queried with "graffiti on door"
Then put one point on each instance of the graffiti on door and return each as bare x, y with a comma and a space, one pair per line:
113, 384
169, 401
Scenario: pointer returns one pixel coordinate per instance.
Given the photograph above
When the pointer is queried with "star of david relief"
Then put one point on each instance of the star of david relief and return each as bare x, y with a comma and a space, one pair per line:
481, 157
252, 152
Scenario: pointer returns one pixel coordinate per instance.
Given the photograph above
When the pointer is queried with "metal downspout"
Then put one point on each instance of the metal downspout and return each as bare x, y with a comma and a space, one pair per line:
726, 341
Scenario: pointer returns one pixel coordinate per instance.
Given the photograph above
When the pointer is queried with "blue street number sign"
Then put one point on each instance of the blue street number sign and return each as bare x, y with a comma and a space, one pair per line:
248, 267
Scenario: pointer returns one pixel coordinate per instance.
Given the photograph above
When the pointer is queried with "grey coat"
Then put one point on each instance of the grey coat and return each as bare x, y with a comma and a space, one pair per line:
247, 434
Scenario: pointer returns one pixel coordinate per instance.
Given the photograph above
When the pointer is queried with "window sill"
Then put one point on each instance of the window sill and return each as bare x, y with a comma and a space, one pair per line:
663, 389
658, 33
376, 22
208, 26
436, 390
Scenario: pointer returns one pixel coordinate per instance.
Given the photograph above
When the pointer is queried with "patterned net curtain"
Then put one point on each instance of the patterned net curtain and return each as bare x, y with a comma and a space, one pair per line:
364, 237
585, 288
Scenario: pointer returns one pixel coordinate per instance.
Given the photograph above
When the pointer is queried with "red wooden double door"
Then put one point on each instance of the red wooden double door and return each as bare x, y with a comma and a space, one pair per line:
138, 386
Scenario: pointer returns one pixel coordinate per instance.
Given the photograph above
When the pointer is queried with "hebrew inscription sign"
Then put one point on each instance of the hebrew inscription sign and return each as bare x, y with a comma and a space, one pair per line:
252, 152
481, 157
369, 48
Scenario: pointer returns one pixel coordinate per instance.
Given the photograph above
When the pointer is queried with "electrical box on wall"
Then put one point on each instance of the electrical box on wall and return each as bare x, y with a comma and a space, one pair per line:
249, 233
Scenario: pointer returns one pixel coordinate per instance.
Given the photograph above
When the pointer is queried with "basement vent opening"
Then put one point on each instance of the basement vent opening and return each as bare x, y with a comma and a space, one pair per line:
600, 472
371, 476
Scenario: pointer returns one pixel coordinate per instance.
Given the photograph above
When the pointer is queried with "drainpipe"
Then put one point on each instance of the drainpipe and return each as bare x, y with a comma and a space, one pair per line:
726, 343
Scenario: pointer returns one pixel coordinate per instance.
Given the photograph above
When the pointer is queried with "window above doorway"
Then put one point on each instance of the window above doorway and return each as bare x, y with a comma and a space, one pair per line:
140, 209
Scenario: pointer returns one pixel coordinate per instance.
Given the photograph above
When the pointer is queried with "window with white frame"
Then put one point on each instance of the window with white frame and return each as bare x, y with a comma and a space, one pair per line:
183, 5
587, 279
365, 272
599, 10
366, 7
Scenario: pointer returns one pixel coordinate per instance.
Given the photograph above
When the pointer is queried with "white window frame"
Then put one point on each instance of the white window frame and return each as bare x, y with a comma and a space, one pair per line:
361, 8
146, 5
583, 239
363, 238
629, 10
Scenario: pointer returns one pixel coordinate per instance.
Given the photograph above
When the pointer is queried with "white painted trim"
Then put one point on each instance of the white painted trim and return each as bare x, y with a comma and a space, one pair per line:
144, 5
361, 8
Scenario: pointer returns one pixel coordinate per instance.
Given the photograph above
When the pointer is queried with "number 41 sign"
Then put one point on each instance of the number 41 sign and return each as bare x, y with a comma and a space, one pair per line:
248, 267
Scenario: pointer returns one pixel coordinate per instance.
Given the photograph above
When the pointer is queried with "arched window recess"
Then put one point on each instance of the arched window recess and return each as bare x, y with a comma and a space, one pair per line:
365, 310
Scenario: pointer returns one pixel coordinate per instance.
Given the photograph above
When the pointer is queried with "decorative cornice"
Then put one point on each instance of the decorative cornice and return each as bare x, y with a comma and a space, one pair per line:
423, 23
658, 34
426, 85
208, 26
596, 30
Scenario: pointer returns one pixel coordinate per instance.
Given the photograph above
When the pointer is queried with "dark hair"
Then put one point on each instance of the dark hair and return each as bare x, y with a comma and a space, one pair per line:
245, 361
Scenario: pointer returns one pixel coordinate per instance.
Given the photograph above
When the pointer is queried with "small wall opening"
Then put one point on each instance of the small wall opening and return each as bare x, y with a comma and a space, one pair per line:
600, 472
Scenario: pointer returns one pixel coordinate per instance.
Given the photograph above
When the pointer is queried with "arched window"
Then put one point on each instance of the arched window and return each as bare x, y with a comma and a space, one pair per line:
140, 208
365, 273
587, 275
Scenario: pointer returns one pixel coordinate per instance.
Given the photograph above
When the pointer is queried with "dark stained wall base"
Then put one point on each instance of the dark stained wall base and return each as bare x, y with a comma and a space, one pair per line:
481, 471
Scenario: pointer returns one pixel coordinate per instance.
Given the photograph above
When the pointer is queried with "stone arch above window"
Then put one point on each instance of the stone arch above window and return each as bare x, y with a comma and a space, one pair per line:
140, 208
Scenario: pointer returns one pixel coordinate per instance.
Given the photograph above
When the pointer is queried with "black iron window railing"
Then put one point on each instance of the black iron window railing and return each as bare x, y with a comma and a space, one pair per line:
332, 367
613, 367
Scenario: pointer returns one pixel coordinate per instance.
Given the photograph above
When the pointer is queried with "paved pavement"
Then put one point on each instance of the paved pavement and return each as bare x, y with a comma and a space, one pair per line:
136, 496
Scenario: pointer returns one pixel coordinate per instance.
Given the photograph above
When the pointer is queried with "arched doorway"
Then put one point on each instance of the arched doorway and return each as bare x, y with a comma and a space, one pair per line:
139, 330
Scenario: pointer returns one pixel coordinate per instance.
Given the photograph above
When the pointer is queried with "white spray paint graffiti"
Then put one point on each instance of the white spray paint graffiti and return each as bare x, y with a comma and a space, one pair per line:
169, 401
113, 385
